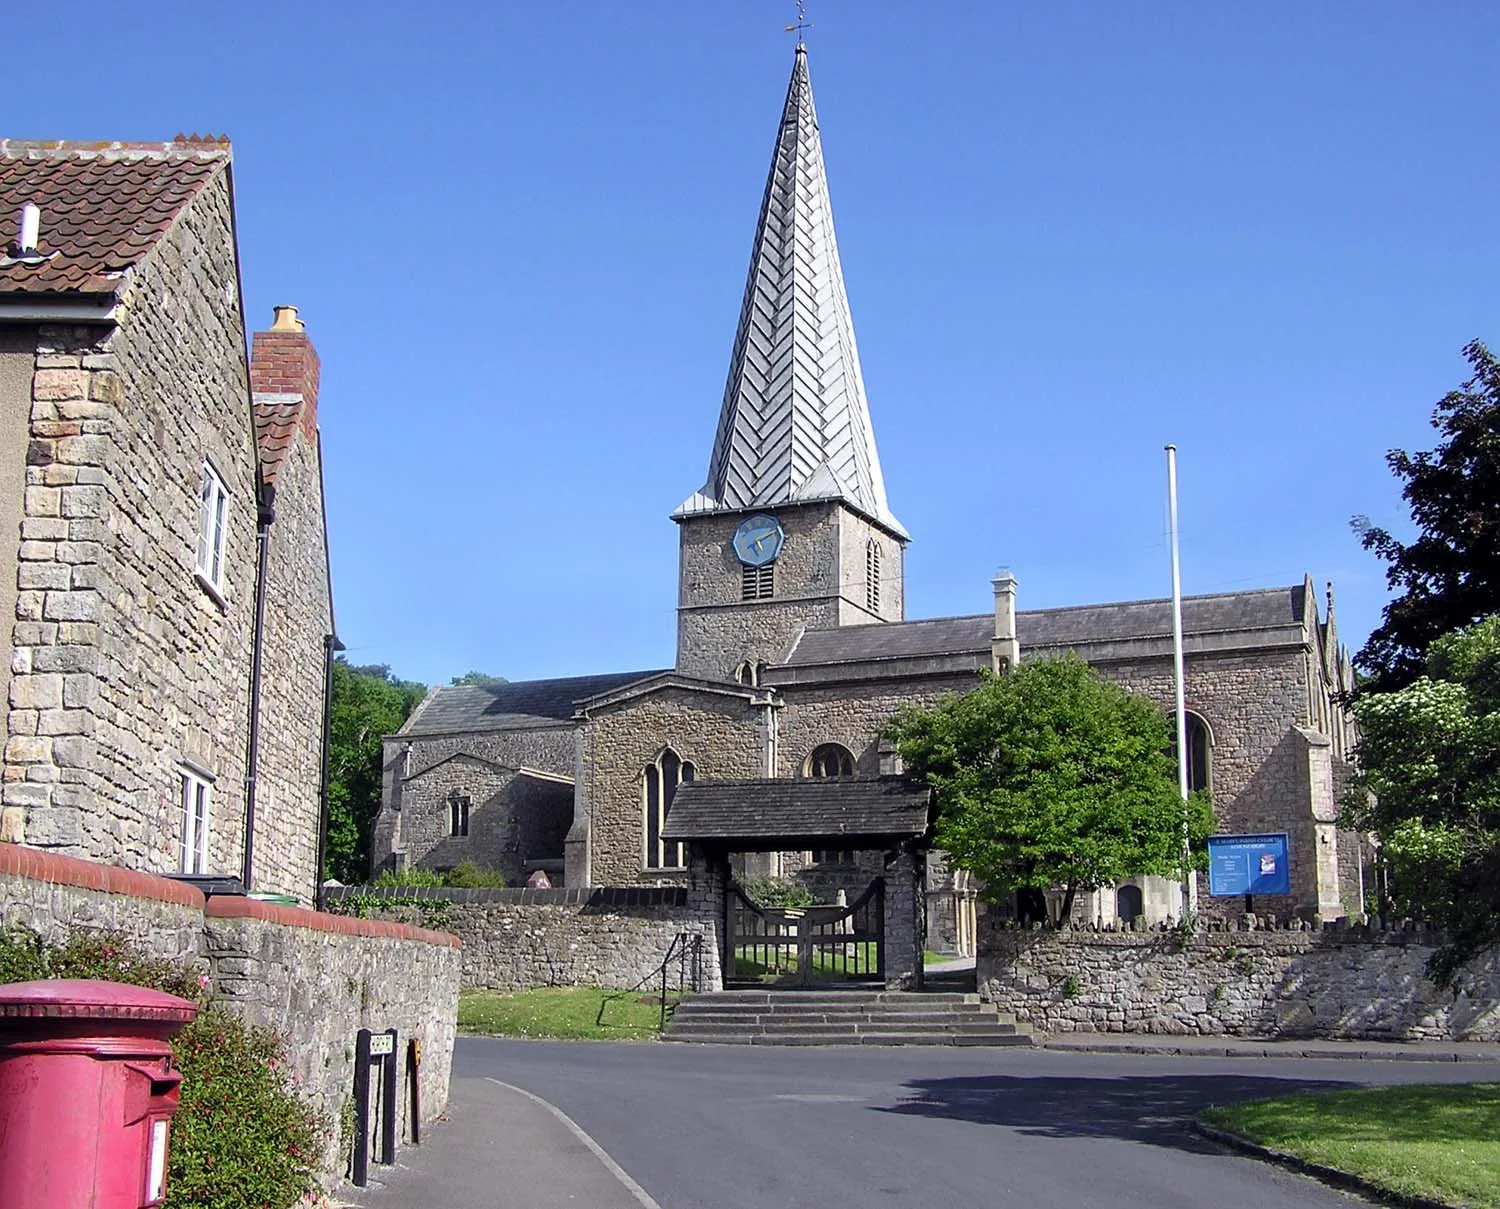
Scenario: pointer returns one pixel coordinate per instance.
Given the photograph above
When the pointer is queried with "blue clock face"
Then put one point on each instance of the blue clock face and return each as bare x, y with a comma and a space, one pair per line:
758, 540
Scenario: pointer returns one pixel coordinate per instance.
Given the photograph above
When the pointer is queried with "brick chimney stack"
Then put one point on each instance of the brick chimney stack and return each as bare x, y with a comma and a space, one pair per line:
284, 363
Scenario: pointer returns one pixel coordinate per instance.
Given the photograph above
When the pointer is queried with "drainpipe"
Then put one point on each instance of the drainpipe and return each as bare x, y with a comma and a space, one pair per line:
331, 647
265, 514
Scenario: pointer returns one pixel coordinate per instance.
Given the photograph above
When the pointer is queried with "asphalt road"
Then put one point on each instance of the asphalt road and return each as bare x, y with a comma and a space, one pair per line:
723, 1127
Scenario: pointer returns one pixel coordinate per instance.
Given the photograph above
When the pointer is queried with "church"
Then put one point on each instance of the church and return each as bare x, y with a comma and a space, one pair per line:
794, 651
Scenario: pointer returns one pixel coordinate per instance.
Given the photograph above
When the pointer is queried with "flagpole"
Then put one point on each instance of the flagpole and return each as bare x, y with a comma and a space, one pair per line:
1189, 882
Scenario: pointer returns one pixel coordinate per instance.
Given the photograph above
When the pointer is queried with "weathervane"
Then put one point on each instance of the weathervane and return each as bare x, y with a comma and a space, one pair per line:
802, 22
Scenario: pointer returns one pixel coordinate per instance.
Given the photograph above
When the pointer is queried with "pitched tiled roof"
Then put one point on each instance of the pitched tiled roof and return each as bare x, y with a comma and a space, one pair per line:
277, 418
525, 703
1223, 613
103, 206
775, 810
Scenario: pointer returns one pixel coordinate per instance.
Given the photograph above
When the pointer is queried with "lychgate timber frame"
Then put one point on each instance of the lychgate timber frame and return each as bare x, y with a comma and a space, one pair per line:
878, 937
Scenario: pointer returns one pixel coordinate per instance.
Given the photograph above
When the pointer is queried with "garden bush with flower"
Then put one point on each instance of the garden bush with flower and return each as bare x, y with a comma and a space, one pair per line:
243, 1137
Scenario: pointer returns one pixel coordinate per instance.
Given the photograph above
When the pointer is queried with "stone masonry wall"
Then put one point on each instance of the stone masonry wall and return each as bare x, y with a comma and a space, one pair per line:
515, 820
551, 749
55, 896
316, 979
609, 936
313, 978
297, 619
721, 734
1344, 982
716, 630
125, 665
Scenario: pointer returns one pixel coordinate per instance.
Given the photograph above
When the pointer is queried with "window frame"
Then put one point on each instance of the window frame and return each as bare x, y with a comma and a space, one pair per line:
195, 803
213, 529
459, 806
657, 792
872, 576
829, 750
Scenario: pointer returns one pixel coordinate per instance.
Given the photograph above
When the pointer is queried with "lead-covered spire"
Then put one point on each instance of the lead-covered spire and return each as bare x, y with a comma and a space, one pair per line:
795, 423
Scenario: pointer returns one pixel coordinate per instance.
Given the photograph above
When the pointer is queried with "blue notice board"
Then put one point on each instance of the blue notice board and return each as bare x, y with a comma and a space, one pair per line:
1248, 864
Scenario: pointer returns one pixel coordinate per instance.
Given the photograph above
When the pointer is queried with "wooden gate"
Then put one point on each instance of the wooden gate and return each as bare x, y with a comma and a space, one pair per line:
800, 946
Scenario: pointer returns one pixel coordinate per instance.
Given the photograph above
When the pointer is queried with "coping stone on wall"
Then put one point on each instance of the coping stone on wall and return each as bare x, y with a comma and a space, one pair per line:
43, 866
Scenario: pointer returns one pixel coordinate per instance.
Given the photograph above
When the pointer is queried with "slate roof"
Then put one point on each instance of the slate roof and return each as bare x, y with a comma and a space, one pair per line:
795, 423
774, 810
1230, 612
525, 703
104, 206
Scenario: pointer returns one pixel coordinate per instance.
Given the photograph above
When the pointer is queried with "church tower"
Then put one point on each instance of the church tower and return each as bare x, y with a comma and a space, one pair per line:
791, 531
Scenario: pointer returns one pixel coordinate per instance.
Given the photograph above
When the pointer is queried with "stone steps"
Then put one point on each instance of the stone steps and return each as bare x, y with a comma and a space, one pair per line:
842, 1017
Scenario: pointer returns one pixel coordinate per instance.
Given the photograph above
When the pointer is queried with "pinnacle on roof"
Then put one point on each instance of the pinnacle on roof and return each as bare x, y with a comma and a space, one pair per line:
795, 423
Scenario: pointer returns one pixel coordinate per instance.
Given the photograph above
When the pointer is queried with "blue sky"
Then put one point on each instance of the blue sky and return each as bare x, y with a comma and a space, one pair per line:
1071, 232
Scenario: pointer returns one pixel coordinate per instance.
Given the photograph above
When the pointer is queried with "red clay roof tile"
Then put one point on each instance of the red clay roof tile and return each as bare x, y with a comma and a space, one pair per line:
104, 206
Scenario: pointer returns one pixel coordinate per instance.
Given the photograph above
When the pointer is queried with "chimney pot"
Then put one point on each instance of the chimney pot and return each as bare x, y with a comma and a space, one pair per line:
286, 320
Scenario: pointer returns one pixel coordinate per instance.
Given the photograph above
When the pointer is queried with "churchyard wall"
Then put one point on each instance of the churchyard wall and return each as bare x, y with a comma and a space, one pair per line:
314, 978
608, 936
1351, 982
317, 978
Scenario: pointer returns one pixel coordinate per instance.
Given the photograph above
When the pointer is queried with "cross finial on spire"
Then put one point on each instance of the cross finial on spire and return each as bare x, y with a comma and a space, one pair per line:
801, 24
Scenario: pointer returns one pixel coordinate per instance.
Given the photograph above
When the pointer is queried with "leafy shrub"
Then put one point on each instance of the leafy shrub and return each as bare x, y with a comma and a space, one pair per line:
777, 892
409, 877
468, 875
243, 1138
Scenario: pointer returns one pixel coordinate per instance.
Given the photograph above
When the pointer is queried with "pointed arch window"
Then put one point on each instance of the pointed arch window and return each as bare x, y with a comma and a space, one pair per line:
872, 575
658, 787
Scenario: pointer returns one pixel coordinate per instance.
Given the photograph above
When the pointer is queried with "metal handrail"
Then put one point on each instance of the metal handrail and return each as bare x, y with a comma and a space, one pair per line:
685, 947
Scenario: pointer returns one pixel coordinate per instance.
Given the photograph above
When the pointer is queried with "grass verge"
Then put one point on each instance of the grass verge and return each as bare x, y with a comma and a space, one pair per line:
563, 1013
1440, 1142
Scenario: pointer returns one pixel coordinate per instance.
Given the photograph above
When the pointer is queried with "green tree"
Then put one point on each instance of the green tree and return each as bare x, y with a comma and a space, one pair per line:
1052, 776
1448, 576
1429, 787
368, 704
482, 679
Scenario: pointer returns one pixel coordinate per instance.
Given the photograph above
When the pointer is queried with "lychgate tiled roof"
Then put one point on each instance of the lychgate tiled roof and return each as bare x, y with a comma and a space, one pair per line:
1040, 629
795, 423
103, 206
472, 707
774, 810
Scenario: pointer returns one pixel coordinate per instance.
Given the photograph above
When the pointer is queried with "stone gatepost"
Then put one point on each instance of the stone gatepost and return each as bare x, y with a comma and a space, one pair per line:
708, 902
903, 920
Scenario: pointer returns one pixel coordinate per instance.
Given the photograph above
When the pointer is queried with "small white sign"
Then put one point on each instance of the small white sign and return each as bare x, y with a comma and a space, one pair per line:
156, 1167
381, 1044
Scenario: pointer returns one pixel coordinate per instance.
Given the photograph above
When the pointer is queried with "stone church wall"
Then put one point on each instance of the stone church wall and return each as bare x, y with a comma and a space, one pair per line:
126, 665
1268, 771
851, 714
715, 629
551, 749
1343, 982
721, 734
517, 823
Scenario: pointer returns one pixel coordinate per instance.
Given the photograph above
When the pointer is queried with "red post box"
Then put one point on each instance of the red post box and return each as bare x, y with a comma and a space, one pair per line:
87, 1092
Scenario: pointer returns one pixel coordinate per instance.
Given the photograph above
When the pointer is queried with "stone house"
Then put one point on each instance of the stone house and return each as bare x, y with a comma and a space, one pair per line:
161, 510
793, 650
